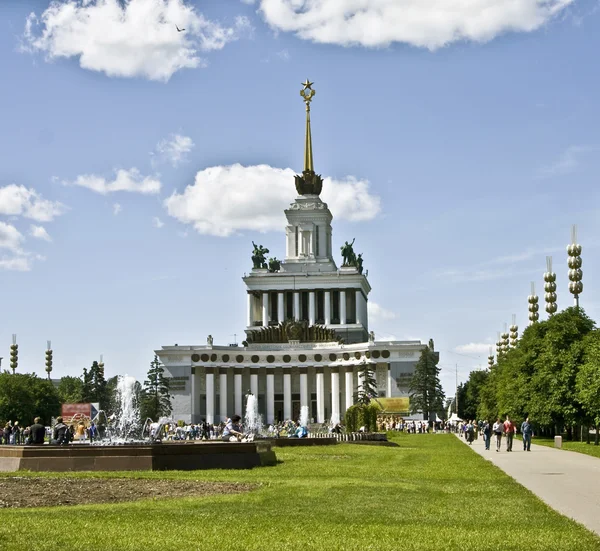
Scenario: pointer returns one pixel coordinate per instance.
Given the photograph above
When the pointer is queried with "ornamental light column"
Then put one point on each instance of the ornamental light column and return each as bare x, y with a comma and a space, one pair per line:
491, 359
48, 358
14, 354
514, 332
550, 288
505, 340
534, 307
498, 347
575, 273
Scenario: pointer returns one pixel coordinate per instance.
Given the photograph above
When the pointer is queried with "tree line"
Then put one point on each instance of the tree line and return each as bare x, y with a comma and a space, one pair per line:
552, 376
24, 396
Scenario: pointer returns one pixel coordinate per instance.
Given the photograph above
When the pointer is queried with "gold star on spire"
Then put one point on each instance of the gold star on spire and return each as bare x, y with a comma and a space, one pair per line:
307, 94
307, 84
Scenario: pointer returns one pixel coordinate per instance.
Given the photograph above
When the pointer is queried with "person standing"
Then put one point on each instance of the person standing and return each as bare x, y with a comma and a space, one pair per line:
527, 432
497, 429
486, 431
509, 431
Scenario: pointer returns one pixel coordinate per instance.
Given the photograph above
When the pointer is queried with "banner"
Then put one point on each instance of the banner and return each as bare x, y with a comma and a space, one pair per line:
69, 410
395, 405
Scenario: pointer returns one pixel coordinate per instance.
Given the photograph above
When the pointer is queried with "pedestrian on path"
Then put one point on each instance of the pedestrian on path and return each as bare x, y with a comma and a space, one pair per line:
498, 428
527, 431
509, 431
487, 432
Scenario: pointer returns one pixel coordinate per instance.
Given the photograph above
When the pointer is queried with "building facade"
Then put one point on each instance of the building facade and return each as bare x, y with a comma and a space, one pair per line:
307, 329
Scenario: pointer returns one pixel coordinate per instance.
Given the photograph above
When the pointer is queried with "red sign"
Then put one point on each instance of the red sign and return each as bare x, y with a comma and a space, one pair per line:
69, 410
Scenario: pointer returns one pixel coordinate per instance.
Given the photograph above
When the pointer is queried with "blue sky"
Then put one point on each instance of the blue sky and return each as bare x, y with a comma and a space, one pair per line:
459, 139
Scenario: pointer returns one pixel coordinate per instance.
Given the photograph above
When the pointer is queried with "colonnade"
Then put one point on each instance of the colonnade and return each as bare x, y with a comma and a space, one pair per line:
260, 310
330, 406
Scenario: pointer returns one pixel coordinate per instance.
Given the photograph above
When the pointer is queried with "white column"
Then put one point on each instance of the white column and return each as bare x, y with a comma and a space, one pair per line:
254, 384
358, 307
335, 397
210, 398
237, 391
223, 396
304, 390
250, 316
270, 397
265, 309
280, 309
349, 387
296, 305
311, 308
287, 395
342, 307
327, 307
320, 398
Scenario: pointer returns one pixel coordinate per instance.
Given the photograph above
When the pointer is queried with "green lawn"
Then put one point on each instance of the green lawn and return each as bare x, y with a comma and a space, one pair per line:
431, 493
572, 446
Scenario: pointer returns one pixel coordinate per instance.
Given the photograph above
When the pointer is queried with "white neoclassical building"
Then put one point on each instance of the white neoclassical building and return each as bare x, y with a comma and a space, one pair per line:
307, 330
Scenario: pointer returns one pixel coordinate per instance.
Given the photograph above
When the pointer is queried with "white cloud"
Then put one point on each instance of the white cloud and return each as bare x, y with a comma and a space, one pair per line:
117, 208
15, 263
39, 232
20, 201
228, 199
174, 149
10, 237
428, 24
157, 222
125, 180
128, 38
569, 161
379, 313
475, 348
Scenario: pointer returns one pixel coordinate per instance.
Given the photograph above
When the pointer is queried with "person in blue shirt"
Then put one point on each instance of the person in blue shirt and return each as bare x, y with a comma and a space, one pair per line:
527, 432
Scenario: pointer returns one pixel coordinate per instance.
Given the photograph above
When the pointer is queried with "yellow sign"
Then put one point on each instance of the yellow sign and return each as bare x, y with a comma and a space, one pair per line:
395, 405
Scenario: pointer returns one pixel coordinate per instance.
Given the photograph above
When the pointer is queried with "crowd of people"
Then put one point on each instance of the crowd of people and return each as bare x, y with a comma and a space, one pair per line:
471, 430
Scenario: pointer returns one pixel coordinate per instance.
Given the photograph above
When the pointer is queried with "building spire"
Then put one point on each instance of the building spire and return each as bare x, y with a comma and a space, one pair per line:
309, 183
307, 94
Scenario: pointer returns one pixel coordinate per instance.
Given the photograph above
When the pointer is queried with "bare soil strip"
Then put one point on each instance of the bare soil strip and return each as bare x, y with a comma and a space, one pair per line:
49, 492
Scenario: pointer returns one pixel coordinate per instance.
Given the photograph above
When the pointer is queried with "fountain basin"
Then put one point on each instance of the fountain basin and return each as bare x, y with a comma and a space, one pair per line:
156, 457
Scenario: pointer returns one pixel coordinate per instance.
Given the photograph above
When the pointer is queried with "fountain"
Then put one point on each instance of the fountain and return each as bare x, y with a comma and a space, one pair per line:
303, 416
126, 445
253, 422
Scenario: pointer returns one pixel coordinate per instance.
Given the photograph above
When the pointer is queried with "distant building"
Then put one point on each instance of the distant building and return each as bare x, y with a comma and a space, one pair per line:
307, 330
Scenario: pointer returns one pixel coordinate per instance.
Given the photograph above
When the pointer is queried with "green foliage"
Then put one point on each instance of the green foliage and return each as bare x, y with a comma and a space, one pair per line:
539, 377
155, 397
95, 388
24, 396
588, 378
426, 394
367, 388
469, 394
70, 390
361, 415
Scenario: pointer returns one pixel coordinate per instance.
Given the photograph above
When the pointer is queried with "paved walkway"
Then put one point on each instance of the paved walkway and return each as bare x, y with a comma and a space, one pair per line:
569, 482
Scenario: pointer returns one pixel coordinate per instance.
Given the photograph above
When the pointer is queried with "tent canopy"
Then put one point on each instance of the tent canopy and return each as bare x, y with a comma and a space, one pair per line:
455, 417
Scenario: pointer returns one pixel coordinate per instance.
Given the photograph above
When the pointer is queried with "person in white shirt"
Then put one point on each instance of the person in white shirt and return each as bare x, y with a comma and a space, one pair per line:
498, 429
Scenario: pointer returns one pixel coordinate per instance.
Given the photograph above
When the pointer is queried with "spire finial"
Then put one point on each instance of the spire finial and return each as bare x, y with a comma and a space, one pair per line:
309, 183
307, 94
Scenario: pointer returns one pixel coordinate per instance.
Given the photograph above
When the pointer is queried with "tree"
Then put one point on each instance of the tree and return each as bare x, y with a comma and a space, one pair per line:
70, 390
426, 394
588, 380
155, 398
24, 396
95, 388
367, 389
469, 394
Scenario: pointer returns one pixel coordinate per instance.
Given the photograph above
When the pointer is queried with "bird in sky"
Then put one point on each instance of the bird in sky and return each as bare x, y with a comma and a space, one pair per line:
178, 29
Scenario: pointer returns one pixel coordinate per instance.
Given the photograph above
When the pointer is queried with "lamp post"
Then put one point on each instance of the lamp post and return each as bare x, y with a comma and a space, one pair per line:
534, 307
505, 340
14, 354
550, 288
491, 359
514, 332
48, 358
575, 273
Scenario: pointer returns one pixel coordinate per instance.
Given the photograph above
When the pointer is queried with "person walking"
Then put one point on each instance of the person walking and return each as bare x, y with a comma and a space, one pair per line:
486, 430
497, 429
527, 432
509, 431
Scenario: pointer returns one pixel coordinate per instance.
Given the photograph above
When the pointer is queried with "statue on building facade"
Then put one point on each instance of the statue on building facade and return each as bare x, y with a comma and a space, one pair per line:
371, 336
359, 263
209, 340
348, 254
274, 265
258, 256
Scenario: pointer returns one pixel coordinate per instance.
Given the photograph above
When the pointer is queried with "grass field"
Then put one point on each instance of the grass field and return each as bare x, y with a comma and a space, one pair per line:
431, 493
573, 446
